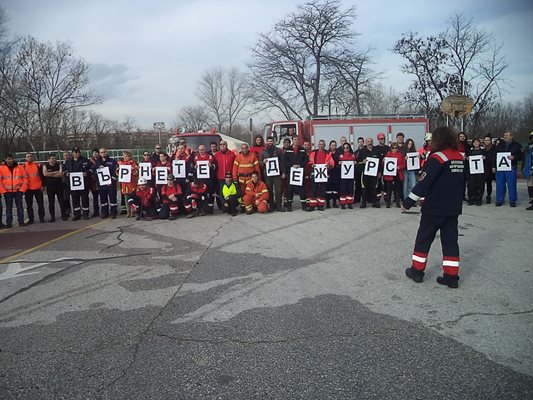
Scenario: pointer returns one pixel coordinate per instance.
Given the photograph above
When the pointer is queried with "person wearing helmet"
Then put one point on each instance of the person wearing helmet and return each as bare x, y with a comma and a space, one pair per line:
143, 200
527, 172
425, 151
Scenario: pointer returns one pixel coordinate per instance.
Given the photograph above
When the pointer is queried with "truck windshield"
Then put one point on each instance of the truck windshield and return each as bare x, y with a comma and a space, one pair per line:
194, 141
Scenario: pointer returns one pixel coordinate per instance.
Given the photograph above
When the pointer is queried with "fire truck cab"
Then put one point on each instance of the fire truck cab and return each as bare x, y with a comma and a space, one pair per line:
329, 128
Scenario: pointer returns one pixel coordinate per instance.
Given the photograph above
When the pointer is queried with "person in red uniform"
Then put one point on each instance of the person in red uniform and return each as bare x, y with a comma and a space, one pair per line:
224, 160
258, 146
346, 185
201, 156
255, 195
394, 183
196, 198
441, 184
143, 200
170, 199
35, 188
164, 162
318, 195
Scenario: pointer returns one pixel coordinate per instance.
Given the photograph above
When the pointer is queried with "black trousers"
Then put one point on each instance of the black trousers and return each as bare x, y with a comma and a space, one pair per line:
291, 189
80, 202
274, 189
233, 203
489, 177
39, 199
369, 186
53, 192
476, 186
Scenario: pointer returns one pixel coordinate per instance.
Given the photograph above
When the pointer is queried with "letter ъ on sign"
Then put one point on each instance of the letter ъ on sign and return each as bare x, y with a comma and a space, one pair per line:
390, 166
296, 177
272, 166
76, 181
104, 177
371, 166
124, 173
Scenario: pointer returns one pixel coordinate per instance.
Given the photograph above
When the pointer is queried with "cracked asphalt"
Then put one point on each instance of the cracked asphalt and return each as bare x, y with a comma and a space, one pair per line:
278, 306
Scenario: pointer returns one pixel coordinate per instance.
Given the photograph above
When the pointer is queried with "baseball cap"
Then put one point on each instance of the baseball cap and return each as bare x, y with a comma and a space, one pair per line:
75, 149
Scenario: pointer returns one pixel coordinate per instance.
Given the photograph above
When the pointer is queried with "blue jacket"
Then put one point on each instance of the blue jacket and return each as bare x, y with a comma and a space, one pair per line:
526, 172
441, 184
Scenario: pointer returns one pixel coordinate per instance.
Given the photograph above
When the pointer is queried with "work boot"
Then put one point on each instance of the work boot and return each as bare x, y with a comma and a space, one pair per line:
289, 207
343, 207
414, 274
350, 206
320, 208
530, 207
328, 205
85, 216
449, 280
76, 218
488, 199
95, 214
335, 205
363, 204
376, 205
309, 209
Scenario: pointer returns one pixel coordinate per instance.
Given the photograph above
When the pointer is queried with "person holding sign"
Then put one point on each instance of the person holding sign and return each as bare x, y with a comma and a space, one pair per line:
79, 187
508, 153
412, 165
105, 170
347, 165
334, 178
475, 173
369, 160
295, 158
256, 195
393, 174
271, 159
128, 181
321, 161
441, 184
94, 182
204, 165
183, 178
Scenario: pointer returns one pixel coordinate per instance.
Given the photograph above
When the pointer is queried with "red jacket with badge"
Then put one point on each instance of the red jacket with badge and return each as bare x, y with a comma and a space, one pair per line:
400, 166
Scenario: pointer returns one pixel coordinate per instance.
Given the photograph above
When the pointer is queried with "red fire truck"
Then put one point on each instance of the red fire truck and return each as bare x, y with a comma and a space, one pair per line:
333, 127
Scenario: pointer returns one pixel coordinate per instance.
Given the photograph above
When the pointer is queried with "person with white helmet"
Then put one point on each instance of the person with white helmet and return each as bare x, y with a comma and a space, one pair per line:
143, 200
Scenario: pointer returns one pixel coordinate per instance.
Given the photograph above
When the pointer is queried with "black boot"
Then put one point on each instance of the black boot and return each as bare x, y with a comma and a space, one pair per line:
414, 274
343, 207
350, 206
335, 205
448, 280
363, 204
328, 205
289, 206
376, 205
488, 199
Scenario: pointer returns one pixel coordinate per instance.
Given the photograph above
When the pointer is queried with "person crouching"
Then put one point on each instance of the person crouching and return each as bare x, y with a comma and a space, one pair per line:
230, 195
256, 195
196, 198
143, 201
170, 199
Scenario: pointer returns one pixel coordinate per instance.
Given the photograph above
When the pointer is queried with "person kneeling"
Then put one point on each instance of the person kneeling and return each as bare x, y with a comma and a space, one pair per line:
196, 199
230, 195
170, 198
143, 200
256, 196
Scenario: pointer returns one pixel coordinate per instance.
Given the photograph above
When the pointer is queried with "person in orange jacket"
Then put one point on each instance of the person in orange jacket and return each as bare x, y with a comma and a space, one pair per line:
35, 188
255, 195
127, 188
13, 184
244, 165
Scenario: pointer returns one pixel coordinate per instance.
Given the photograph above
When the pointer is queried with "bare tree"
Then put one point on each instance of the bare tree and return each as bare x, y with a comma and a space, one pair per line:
192, 118
461, 60
40, 83
291, 61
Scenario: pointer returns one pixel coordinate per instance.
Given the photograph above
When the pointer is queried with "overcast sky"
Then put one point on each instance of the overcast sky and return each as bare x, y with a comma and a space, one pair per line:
147, 56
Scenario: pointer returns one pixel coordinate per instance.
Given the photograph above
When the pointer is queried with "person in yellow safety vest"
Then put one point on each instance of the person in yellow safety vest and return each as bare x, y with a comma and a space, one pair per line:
35, 188
13, 184
230, 195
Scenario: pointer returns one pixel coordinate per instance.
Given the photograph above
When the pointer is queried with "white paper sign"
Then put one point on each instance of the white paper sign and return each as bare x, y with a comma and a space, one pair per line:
347, 169
272, 166
296, 177
475, 164
202, 169
179, 169
161, 175
104, 177
145, 170
371, 166
124, 173
502, 162
390, 166
76, 181
320, 173
413, 161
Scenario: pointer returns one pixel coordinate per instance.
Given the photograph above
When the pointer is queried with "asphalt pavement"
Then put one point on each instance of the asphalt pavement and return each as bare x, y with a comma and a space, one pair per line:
278, 306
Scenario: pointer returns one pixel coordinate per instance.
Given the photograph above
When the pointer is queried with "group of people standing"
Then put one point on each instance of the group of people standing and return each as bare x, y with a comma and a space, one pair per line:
262, 178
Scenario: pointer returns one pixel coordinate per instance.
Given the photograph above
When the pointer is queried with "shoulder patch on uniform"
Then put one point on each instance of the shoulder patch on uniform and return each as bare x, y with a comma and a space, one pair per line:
422, 176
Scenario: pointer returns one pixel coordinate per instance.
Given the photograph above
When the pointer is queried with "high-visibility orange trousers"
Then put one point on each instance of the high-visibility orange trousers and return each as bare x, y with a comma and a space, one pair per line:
249, 203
